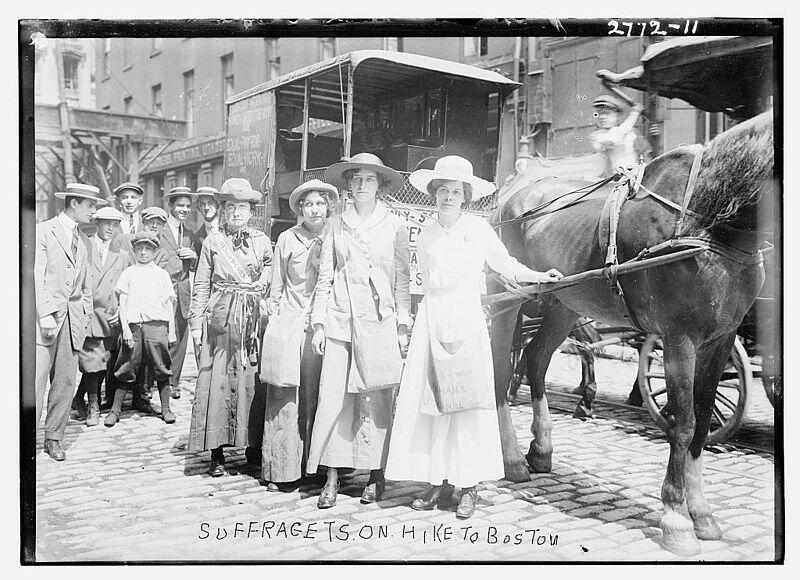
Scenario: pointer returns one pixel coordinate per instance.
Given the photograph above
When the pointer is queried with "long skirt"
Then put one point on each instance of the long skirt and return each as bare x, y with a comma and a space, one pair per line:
223, 394
350, 429
462, 447
289, 420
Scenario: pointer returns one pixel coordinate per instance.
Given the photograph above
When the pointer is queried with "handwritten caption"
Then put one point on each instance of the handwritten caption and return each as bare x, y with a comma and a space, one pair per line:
651, 27
333, 531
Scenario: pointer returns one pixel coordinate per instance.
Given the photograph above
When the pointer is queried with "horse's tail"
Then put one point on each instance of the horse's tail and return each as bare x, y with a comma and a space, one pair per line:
734, 167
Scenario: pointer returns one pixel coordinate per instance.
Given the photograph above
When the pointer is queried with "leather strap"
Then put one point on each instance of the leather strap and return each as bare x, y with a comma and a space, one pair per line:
687, 197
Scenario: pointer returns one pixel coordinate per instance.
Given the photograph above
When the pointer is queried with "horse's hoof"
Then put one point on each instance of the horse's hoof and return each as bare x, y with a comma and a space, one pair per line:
539, 463
706, 528
582, 412
517, 472
679, 537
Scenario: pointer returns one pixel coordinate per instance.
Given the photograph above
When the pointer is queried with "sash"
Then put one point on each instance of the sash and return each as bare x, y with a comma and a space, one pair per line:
224, 250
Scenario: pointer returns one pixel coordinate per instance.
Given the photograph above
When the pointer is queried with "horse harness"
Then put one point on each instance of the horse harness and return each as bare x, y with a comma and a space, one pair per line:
628, 185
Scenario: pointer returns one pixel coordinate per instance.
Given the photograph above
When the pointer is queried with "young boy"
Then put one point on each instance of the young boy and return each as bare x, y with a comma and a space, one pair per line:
146, 316
615, 139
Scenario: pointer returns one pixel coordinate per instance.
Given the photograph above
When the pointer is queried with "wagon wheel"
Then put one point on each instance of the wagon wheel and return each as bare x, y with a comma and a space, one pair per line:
730, 399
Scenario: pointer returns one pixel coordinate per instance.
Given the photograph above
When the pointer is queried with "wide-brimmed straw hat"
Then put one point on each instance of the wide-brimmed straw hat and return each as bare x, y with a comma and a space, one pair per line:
312, 185
83, 191
452, 168
238, 189
108, 213
335, 173
207, 191
128, 186
609, 102
180, 191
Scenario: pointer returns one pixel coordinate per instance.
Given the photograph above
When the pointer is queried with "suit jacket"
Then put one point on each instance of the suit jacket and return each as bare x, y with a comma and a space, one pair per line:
62, 282
178, 269
104, 281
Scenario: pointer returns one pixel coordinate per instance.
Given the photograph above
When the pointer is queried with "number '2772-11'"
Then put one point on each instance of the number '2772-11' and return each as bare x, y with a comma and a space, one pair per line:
651, 28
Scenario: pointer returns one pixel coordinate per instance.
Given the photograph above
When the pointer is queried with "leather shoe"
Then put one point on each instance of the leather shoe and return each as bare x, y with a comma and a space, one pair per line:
373, 492
217, 467
327, 497
437, 494
94, 415
143, 406
176, 393
466, 507
78, 410
54, 450
111, 419
253, 455
168, 417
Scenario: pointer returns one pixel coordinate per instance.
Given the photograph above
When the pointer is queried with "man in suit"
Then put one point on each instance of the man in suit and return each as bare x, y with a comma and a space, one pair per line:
129, 199
100, 346
63, 307
208, 207
178, 246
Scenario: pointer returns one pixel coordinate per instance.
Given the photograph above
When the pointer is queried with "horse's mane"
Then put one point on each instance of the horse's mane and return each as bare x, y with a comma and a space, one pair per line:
735, 165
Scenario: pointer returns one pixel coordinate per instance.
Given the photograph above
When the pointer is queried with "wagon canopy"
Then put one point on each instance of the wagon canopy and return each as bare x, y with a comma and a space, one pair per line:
732, 74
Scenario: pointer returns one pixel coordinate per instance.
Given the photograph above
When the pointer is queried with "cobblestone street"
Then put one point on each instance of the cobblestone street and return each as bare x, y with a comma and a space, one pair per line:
133, 493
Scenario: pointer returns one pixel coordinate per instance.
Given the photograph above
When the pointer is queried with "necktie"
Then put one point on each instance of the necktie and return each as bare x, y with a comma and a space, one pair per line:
180, 235
75, 242
131, 227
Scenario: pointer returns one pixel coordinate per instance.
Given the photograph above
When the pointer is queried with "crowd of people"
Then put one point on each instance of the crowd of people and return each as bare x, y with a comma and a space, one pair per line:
299, 347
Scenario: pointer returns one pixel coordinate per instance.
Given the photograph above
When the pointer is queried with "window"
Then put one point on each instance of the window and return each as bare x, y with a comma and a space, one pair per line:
155, 46
106, 60
156, 101
476, 46
71, 74
128, 105
228, 84
327, 48
393, 43
273, 59
188, 102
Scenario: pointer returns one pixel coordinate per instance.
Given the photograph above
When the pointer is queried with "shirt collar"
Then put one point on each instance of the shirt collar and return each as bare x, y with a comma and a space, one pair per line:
351, 218
67, 222
173, 222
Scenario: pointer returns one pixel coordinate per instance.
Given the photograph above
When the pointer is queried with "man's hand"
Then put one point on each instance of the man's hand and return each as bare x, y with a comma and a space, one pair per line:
48, 325
187, 254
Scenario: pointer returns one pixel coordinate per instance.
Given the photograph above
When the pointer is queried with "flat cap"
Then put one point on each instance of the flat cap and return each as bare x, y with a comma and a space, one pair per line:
146, 238
154, 212
108, 213
128, 186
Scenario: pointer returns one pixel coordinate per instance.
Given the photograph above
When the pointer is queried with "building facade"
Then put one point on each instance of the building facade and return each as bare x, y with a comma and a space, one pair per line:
189, 79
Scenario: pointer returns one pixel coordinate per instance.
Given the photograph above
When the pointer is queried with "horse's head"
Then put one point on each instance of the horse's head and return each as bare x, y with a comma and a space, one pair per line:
735, 187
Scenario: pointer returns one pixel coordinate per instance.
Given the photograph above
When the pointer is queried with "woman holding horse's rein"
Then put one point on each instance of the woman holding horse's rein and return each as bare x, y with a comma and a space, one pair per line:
360, 316
445, 429
231, 281
289, 366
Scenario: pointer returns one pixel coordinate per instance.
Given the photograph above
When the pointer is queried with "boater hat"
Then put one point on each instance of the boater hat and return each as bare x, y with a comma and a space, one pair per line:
609, 102
145, 238
154, 212
181, 191
452, 168
335, 173
313, 185
238, 189
206, 191
128, 186
108, 213
83, 191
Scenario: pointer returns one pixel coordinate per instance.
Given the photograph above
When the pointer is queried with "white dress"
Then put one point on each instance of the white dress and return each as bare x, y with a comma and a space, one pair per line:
462, 447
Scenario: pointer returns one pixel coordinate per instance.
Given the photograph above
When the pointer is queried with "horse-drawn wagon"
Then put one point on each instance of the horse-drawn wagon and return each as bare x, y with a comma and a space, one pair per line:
671, 249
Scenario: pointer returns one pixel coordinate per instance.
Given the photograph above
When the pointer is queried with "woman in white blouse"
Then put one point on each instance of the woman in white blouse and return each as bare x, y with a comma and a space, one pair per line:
429, 442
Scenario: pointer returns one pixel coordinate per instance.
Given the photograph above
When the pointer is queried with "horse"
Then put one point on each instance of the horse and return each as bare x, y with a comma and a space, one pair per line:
694, 304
